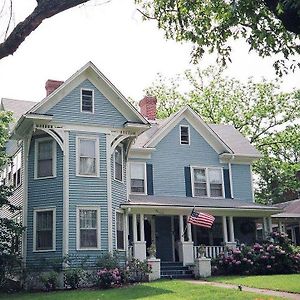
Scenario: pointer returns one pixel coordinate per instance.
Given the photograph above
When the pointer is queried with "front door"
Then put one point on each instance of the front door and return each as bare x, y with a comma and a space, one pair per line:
164, 241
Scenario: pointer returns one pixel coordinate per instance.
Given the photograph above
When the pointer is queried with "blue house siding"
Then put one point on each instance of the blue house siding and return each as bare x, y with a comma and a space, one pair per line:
170, 158
241, 181
68, 109
44, 193
85, 191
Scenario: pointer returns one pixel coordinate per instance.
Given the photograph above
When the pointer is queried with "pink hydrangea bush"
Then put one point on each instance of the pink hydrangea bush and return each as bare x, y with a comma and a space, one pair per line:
107, 278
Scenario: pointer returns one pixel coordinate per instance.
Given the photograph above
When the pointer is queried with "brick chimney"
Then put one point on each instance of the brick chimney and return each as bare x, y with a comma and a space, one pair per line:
52, 85
148, 107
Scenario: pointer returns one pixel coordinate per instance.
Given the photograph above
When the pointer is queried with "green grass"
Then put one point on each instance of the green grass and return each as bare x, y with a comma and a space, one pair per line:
287, 283
160, 290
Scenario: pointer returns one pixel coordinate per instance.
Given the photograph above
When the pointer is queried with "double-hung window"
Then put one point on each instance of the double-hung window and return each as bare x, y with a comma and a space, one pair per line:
17, 169
120, 230
44, 230
118, 159
45, 156
88, 221
87, 101
184, 135
138, 178
207, 182
87, 156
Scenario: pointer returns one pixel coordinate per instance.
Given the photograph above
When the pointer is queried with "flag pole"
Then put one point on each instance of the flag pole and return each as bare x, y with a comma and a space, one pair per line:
185, 228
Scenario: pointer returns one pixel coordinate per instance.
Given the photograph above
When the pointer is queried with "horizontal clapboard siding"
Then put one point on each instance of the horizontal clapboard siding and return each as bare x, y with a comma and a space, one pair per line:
241, 181
44, 193
68, 109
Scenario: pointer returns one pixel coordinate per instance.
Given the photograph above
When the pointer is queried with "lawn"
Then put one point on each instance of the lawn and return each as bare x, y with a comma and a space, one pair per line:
159, 290
287, 283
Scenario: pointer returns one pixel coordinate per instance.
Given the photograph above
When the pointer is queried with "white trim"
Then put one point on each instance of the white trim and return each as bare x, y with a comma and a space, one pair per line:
230, 180
93, 101
189, 135
252, 185
109, 192
36, 145
145, 177
66, 195
120, 211
97, 161
98, 228
114, 162
207, 180
37, 210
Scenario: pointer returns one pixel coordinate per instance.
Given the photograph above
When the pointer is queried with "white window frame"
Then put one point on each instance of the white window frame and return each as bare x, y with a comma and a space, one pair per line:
124, 231
17, 157
36, 148
145, 177
93, 101
207, 180
189, 135
35, 211
97, 167
114, 161
98, 229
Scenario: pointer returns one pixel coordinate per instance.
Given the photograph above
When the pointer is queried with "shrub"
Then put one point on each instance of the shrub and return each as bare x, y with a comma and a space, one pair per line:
136, 271
108, 261
73, 277
49, 280
106, 278
276, 256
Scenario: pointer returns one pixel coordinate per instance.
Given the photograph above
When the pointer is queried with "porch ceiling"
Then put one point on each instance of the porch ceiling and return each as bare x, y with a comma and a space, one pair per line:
183, 205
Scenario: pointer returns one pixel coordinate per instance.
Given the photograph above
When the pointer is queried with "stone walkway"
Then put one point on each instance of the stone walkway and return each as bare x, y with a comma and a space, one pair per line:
248, 289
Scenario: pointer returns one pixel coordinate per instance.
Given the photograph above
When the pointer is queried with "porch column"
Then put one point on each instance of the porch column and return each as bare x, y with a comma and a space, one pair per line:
293, 234
231, 229
126, 232
142, 230
280, 226
265, 227
139, 247
189, 231
134, 228
153, 238
225, 233
181, 229
270, 225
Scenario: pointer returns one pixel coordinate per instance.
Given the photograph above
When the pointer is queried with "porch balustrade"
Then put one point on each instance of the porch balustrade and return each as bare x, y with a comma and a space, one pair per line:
209, 251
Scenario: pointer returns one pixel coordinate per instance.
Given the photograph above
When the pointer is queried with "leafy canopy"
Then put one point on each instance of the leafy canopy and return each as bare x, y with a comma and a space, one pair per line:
263, 114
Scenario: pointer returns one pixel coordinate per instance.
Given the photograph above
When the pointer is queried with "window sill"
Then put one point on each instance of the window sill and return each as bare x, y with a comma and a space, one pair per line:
88, 176
118, 180
41, 178
43, 251
89, 249
132, 193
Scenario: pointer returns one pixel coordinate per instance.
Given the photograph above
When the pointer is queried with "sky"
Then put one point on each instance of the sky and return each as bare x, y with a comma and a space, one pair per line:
129, 51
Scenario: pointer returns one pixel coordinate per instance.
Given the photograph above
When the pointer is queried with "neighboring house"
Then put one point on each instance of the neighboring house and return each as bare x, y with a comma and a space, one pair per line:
289, 220
94, 175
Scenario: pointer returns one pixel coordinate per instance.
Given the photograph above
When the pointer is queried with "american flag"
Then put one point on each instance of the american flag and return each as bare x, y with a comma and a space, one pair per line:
201, 219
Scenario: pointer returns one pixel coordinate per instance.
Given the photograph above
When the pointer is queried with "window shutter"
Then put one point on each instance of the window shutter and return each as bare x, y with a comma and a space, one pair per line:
149, 170
226, 183
188, 182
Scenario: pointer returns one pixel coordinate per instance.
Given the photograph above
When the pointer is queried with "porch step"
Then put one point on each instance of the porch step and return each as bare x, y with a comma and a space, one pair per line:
175, 270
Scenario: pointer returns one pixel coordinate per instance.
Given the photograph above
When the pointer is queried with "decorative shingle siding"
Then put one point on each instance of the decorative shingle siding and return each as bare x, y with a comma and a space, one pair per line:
170, 158
87, 191
241, 181
68, 109
44, 193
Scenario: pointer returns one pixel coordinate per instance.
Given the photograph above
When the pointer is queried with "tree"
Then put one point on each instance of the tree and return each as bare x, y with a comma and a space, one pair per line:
270, 27
10, 231
263, 114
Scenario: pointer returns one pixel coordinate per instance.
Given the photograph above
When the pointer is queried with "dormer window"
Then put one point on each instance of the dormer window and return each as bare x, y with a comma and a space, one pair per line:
87, 101
184, 135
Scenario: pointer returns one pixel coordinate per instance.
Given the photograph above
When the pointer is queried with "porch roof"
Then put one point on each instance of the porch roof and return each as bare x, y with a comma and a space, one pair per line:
291, 209
199, 202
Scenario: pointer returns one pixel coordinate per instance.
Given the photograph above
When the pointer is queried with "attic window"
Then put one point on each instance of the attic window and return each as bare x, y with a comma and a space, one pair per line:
87, 101
184, 135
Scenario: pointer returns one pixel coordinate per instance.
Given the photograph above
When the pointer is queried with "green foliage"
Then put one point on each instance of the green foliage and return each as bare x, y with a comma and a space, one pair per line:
108, 261
212, 25
49, 280
263, 114
73, 277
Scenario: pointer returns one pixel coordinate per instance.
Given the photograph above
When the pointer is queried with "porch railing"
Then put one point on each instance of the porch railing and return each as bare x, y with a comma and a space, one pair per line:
210, 251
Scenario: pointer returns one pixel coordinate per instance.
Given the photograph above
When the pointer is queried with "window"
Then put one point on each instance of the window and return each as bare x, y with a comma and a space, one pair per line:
207, 182
184, 135
88, 220
16, 169
120, 230
87, 157
44, 230
45, 158
118, 157
137, 178
87, 101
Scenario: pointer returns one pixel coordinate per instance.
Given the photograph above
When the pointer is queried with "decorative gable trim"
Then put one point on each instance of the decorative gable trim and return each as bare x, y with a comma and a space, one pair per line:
198, 124
92, 73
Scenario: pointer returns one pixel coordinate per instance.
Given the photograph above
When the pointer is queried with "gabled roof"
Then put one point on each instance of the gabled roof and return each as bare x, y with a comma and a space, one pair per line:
18, 107
91, 72
290, 209
225, 136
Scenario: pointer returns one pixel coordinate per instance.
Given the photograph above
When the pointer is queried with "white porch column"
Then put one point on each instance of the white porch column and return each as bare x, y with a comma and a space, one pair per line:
293, 234
189, 231
225, 233
265, 227
139, 247
186, 248
270, 225
181, 229
126, 232
280, 226
231, 229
